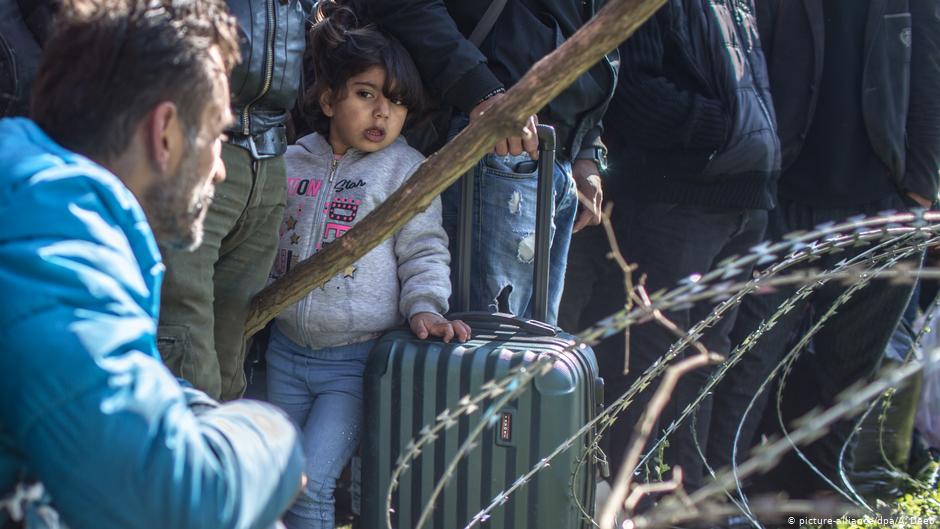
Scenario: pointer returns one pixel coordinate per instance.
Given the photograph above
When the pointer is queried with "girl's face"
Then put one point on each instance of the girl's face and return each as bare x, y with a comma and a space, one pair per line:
362, 117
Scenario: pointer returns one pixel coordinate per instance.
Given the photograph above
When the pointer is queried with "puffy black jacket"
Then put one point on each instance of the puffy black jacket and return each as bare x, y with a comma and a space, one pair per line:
435, 33
900, 85
265, 84
692, 120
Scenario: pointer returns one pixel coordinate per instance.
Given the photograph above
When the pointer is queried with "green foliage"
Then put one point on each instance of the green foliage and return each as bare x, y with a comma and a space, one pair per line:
912, 511
918, 509
660, 459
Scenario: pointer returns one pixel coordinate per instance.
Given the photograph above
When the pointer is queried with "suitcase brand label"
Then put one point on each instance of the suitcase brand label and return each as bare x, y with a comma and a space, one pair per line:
505, 427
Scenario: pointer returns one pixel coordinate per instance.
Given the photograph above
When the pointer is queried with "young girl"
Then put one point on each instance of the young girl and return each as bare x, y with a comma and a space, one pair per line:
365, 85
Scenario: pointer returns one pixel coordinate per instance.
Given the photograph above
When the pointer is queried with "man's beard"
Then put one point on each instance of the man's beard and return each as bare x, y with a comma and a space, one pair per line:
177, 207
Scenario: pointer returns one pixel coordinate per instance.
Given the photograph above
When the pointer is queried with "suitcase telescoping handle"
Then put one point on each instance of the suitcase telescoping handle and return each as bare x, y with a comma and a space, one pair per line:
543, 218
479, 319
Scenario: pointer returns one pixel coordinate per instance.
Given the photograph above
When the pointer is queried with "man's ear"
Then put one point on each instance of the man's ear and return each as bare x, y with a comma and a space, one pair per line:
164, 135
326, 102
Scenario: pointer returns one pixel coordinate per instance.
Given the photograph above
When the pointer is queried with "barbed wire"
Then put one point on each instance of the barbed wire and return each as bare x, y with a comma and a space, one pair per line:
784, 366
735, 292
788, 305
809, 427
716, 286
812, 424
801, 294
886, 400
608, 411
791, 303
788, 365
807, 247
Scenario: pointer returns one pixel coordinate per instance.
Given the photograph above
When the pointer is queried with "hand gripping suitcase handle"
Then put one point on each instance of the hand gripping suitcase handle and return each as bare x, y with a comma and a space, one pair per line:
543, 216
480, 317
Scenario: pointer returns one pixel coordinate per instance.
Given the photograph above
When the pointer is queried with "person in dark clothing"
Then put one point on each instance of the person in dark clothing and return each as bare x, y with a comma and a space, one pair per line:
207, 292
855, 85
471, 79
23, 28
694, 160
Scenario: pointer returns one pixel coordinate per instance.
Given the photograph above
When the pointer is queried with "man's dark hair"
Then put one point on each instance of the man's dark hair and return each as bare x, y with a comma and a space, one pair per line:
107, 63
341, 50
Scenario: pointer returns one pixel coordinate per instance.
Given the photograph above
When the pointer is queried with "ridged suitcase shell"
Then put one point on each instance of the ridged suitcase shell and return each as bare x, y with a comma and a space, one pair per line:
409, 382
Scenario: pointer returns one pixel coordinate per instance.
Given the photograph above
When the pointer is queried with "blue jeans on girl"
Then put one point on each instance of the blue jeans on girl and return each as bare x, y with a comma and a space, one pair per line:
321, 391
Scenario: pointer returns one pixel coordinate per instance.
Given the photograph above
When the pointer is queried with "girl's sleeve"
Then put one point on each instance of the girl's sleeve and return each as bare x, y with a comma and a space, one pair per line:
423, 263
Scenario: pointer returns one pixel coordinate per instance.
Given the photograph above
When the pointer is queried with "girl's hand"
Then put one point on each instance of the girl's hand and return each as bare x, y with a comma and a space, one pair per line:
425, 324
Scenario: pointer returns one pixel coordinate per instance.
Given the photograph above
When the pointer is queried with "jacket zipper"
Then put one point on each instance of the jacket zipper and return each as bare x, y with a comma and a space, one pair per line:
269, 27
334, 163
322, 201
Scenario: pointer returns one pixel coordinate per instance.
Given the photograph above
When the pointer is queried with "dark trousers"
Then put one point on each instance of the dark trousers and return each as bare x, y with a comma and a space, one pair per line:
593, 284
670, 242
847, 349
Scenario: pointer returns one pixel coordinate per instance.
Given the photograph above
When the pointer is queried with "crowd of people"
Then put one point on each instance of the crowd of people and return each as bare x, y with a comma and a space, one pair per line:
171, 157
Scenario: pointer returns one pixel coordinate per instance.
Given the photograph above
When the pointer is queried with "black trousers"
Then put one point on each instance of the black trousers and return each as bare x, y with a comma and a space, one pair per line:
846, 350
670, 242
593, 283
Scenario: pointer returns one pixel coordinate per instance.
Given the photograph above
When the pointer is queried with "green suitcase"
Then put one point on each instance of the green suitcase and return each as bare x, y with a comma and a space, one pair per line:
411, 385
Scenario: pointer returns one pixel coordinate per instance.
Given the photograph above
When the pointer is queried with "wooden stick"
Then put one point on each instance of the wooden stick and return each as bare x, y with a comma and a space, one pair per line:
545, 80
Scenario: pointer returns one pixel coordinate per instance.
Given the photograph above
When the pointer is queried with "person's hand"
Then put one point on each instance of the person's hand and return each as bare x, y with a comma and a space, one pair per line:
526, 141
425, 324
590, 193
921, 201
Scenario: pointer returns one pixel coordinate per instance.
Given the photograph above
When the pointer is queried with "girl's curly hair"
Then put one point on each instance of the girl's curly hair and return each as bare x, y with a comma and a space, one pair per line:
342, 49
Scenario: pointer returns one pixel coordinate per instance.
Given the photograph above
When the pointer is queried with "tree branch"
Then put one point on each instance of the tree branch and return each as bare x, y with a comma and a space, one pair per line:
547, 78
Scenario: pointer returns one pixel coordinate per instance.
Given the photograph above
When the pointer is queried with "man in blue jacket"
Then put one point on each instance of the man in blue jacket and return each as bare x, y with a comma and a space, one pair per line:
123, 148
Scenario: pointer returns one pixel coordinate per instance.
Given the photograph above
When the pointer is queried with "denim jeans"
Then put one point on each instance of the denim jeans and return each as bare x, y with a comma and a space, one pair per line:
321, 392
846, 350
670, 242
503, 247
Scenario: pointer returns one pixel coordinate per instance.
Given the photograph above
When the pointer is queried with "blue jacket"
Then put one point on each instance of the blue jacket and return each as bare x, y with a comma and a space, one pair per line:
87, 407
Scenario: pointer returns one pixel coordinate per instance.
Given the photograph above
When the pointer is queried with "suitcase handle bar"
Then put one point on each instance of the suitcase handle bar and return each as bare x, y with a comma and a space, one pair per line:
531, 326
544, 193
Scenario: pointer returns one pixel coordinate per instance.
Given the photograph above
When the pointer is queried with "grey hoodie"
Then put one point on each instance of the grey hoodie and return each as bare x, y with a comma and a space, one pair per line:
406, 274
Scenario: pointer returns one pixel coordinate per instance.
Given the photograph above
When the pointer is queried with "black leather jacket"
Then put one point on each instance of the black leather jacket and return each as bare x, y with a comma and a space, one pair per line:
265, 84
435, 33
